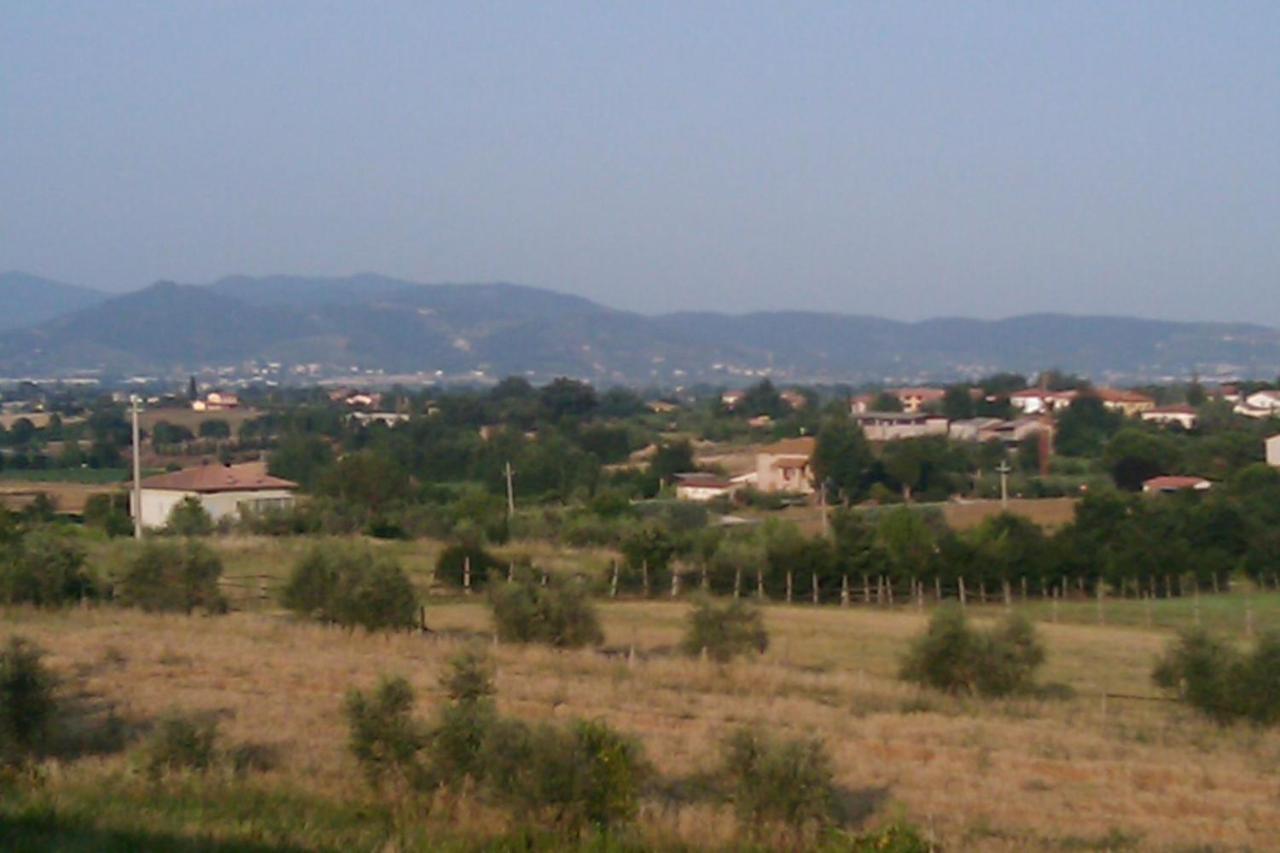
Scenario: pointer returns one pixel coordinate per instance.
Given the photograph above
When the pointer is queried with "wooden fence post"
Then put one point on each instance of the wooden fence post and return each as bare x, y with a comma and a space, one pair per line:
1024, 587
675, 581
760, 584
737, 582
815, 587
866, 589
1008, 596
644, 577
963, 598
613, 582
466, 575
888, 590
788, 586
844, 590
937, 589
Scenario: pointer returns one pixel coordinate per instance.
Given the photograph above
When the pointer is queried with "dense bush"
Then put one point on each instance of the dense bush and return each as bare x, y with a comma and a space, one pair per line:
44, 567
173, 576
952, 656
352, 587
189, 518
781, 782
585, 776
451, 566
26, 700
724, 632
559, 613
180, 743
1221, 681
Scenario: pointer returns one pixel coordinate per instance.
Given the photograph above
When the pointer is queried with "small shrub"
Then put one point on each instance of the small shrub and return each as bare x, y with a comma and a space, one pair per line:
173, 576
782, 782
26, 700
953, 657
724, 632
451, 566
1222, 682
181, 743
352, 587
189, 518
897, 837
45, 568
384, 736
585, 776
560, 613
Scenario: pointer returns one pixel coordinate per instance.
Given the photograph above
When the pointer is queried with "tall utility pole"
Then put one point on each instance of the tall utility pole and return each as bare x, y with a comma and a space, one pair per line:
1004, 470
137, 472
511, 492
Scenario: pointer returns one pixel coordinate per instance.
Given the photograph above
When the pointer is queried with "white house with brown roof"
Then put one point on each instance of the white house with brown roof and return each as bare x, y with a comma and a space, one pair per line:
701, 487
216, 401
1129, 403
1035, 401
1183, 416
223, 490
785, 466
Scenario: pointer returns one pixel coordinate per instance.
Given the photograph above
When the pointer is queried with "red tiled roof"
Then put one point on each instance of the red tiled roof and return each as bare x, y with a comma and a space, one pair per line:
802, 446
207, 479
1169, 484
1119, 395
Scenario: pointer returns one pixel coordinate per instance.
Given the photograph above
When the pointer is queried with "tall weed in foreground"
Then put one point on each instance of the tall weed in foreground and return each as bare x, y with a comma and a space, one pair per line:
180, 743
27, 701
1222, 682
954, 657
584, 776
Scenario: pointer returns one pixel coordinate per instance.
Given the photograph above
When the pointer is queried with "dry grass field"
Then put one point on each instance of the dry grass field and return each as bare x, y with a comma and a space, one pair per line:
69, 497
1085, 772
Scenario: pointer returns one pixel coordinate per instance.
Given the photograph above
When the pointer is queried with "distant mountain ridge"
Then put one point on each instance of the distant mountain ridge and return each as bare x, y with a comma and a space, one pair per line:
30, 299
370, 322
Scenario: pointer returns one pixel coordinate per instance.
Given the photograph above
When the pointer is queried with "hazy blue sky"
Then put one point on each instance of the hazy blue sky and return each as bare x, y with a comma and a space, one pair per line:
904, 159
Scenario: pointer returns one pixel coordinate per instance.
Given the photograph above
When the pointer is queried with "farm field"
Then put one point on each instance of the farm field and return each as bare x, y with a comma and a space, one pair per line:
191, 419
1109, 768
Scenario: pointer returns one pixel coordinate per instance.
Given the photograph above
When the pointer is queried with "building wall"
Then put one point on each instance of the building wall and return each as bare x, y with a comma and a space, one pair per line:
157, 504
1273, 451
771, 478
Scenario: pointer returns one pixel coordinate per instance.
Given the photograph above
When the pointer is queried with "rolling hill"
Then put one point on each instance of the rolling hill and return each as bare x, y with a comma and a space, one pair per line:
375, 323
30, 299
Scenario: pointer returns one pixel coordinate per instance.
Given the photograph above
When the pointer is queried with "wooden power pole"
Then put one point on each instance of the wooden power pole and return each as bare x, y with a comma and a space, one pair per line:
137, 471
511, 492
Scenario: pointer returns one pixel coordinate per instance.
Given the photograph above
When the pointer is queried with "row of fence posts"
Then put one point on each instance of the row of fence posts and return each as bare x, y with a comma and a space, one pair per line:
884, 591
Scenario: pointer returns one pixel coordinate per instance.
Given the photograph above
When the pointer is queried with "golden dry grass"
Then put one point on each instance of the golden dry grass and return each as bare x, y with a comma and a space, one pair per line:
69, 497
1010, 775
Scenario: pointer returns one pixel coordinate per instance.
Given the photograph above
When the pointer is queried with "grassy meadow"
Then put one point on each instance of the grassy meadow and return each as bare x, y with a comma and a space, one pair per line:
1105, 764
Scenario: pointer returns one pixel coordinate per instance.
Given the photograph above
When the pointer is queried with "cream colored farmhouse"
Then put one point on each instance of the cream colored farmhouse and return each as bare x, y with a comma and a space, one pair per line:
223, 490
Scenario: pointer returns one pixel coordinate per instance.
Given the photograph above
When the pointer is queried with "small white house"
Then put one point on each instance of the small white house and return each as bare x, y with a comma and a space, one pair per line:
702, 487
1183, 416
223, 490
